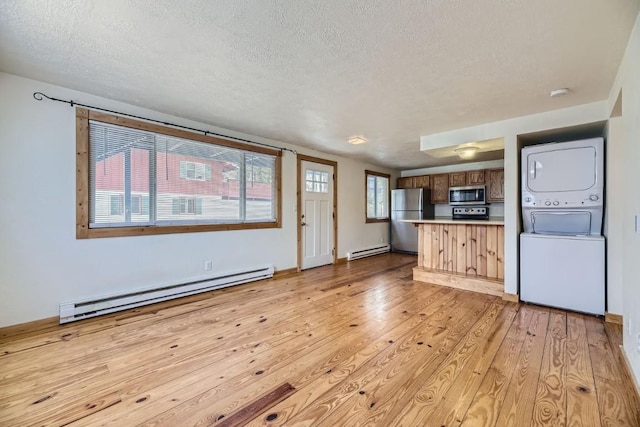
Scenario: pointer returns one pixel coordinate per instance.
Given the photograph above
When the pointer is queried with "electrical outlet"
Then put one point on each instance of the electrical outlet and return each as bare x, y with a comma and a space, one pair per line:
208, 265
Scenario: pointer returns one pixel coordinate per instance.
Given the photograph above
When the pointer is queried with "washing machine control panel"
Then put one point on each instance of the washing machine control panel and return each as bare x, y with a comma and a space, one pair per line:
551, 200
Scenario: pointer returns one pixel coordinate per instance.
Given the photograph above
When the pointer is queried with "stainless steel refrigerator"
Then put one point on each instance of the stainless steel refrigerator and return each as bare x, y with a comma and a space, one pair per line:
413, 203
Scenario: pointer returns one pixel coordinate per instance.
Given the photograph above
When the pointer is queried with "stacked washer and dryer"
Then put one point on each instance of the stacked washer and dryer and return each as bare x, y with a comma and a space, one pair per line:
562, 250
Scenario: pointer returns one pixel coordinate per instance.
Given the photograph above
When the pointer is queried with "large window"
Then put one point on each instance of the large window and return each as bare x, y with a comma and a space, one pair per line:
150, 179
377, 191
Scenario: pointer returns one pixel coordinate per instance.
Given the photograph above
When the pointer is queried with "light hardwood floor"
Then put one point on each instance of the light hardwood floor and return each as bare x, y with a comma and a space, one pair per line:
347, 345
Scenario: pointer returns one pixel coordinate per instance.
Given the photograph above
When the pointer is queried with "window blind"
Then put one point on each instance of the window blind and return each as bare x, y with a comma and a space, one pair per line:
145, 178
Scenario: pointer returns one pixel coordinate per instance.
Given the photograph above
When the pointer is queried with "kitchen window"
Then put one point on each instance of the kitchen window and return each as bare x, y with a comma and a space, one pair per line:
377, 196
136, 178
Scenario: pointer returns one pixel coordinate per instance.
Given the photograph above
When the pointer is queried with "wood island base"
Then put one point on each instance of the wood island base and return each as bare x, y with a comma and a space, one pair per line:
460, 281
461, 254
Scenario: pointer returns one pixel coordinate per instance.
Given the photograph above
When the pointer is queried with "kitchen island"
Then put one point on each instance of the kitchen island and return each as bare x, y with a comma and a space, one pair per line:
463, 254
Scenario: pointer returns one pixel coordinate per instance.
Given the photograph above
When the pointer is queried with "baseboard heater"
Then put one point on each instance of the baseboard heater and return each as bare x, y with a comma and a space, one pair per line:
362, 253
84, 309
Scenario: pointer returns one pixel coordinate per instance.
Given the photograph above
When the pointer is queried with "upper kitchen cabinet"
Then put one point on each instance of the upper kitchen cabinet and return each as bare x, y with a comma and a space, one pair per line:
421, 181
440, 188
495, 185
457, 179
406, 182
475, 177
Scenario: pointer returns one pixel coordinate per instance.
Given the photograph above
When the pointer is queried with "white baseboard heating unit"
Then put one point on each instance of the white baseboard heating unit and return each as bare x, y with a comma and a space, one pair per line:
362, 253
78, 310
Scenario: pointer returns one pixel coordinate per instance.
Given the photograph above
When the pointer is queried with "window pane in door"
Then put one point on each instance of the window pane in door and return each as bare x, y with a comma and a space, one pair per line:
317, 181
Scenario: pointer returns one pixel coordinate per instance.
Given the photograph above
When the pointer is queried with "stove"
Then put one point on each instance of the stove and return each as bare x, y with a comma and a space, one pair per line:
471, 212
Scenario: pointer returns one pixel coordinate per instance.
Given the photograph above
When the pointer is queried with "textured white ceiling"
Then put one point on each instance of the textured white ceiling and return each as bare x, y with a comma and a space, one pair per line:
314, 73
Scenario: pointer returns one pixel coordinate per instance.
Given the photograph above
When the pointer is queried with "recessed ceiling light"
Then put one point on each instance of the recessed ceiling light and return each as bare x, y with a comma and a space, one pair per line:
559, 92
355, 140
466, 153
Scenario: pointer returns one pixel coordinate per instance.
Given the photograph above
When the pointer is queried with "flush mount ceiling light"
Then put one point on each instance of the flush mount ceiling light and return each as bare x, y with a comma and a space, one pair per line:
559, 92
355, 140
466, 153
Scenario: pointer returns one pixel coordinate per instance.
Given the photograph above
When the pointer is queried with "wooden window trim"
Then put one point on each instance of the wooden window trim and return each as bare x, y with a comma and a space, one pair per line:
383, 175
83, 231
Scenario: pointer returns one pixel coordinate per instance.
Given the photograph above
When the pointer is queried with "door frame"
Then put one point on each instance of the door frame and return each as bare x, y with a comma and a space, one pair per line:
299, 159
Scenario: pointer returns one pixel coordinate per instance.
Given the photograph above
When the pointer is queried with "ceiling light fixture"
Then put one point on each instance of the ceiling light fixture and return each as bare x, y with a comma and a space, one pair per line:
466, 153
559, 92
355, 140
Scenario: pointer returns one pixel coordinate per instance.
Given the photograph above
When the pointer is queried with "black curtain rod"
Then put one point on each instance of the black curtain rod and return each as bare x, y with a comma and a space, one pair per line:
39, 96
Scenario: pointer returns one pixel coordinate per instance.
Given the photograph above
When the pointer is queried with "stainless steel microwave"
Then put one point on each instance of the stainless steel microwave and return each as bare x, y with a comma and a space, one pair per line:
471, 195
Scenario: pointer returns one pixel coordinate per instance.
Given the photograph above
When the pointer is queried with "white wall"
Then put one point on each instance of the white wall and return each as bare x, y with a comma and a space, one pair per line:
614, 214
41, 262
628, 82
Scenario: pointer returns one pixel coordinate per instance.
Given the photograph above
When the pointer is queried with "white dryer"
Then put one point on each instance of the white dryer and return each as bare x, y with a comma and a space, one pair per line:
562, 187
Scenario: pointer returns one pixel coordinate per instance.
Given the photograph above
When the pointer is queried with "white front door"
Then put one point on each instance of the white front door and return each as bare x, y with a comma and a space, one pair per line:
316, 216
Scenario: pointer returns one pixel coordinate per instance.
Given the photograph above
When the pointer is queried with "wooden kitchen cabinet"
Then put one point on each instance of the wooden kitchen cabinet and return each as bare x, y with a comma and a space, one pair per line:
440, 188
460, 179
457, 179
406, 182
475, 177
495, 185
421, 181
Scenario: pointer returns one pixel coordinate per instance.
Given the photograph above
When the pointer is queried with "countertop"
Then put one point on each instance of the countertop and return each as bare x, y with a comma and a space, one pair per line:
493, 220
